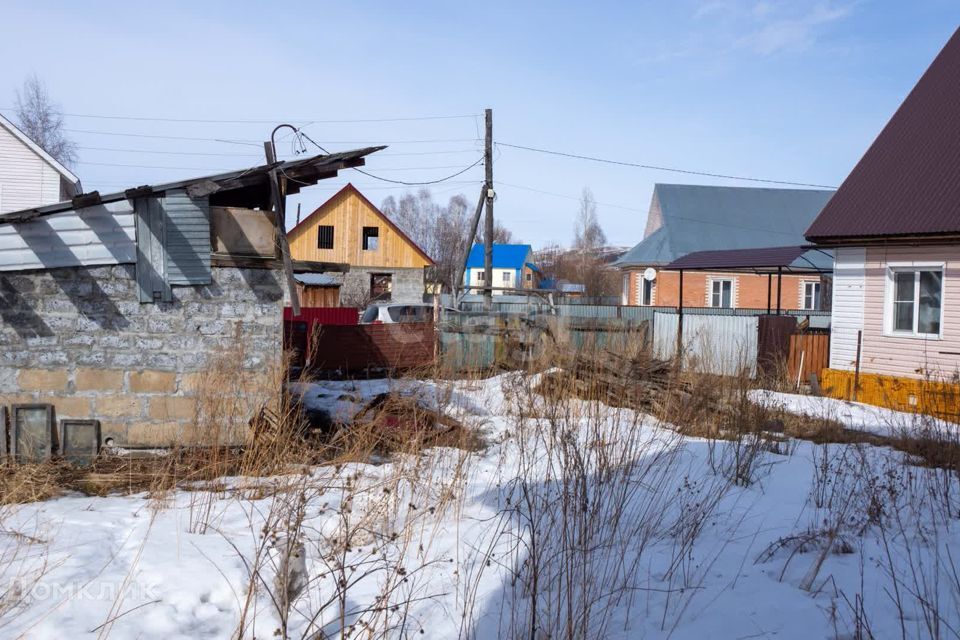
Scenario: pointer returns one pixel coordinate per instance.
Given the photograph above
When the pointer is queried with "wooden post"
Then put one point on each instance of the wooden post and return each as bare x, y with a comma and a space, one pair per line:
769, 290
488, 222
779, 281
278, 195
473, 234
856, 371
680, 320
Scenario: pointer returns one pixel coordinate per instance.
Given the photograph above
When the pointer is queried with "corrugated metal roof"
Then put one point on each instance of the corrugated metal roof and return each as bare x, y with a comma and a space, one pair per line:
908, 181
701, 218
319, 279
505, 256
299, 173
763, 260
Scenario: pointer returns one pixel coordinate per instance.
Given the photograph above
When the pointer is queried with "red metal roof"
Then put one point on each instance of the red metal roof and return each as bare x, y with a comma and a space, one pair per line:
908, 181
766, 260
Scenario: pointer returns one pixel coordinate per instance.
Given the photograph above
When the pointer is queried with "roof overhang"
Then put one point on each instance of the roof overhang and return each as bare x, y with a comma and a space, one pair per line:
769, 260
298, 174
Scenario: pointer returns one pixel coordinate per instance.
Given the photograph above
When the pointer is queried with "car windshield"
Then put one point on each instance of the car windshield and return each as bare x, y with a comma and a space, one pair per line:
370, 315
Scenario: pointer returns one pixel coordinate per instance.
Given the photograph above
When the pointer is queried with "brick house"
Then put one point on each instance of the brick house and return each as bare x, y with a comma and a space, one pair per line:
113, 306
688, 218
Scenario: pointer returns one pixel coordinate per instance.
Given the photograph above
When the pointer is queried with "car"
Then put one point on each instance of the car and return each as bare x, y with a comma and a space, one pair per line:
392, 313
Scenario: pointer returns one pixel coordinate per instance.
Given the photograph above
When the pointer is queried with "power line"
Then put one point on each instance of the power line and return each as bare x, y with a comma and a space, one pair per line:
255, 143
254, 121
659, 168
259, 155
424, 183
177, 167
403, 182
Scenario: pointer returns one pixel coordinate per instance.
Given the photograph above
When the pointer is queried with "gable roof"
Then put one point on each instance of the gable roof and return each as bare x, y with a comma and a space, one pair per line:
908, 181
505, 256
68, 175
352, 190
702, 218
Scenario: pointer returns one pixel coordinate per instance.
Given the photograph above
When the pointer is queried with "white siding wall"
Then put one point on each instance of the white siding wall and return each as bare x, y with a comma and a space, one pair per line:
99, 235
26, 179
848, 298
475, 281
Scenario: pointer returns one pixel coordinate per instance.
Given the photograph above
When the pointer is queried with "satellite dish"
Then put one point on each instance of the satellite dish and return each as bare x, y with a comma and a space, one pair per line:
650, 274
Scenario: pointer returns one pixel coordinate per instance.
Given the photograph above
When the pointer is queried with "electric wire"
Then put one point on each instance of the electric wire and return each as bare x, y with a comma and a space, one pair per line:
661, 168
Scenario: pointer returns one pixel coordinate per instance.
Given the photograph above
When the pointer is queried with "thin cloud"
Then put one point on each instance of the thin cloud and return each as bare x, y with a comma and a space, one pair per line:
779, 33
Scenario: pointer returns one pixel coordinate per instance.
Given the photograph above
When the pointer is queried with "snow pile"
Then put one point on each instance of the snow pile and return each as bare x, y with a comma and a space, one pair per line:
580, 520
855, 415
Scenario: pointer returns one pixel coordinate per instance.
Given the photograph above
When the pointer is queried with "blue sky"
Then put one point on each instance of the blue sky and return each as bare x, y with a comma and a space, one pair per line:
788, 90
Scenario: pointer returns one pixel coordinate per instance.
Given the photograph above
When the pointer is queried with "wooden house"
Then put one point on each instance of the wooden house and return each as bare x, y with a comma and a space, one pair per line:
385, 263
894, 225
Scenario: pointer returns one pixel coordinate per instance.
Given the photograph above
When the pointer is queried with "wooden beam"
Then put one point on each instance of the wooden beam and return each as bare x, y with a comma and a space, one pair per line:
307, 266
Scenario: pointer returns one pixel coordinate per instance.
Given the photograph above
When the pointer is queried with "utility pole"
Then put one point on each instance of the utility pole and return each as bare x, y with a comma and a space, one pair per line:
488, 221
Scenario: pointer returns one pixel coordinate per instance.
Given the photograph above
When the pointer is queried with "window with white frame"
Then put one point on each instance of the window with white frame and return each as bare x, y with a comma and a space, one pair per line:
506, 278
480, 275
721, 293
915, 301
811, 296
646, 291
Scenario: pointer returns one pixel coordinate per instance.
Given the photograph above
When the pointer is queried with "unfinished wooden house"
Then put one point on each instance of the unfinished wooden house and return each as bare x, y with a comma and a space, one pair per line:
116, 307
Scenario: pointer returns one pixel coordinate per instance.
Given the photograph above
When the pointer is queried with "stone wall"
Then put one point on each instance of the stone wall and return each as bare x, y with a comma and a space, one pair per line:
80, 339
407, 285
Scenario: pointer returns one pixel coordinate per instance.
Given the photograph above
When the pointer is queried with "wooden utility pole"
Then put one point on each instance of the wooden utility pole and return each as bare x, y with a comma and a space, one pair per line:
488, 221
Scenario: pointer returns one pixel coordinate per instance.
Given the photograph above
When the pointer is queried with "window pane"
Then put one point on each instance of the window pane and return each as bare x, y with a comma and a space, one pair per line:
647, 292
903, 301
931, 290
726, 302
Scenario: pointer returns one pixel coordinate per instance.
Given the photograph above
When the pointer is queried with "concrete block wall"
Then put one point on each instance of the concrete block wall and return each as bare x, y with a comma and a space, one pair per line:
78, 338
407, 285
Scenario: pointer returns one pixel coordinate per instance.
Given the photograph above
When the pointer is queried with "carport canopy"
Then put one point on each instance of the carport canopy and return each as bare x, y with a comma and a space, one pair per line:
800, 259
768, 260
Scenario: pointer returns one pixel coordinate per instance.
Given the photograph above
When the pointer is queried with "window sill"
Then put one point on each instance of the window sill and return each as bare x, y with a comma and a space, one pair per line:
913, 336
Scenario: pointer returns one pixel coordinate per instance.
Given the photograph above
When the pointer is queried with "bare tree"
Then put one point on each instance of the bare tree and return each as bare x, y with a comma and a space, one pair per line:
587, 234
441, 231
42, 120
501, 235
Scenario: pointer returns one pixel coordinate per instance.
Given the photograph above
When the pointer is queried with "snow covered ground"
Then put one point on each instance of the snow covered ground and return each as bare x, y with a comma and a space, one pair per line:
578, 520
854, 415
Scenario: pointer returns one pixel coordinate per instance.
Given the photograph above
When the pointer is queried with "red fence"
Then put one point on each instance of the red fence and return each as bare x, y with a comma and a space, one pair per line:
365, 347
298, 329
323, 315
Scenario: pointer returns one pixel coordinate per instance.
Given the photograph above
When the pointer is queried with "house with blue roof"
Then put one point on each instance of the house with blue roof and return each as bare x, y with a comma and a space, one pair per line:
685, 218
513, 268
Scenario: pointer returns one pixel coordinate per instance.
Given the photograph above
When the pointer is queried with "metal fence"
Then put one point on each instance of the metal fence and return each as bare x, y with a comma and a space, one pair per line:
719, 344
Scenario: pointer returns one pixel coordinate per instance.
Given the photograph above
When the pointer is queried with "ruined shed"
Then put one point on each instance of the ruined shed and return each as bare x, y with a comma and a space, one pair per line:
113, 306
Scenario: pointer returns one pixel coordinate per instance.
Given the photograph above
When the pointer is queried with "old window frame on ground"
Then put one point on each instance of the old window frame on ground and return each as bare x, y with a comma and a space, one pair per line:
371, 238
811, 295
911, 294
716, 294
325, 236
381, 287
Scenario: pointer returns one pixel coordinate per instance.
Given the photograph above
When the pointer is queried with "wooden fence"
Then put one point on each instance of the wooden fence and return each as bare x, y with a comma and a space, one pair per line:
809, 353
